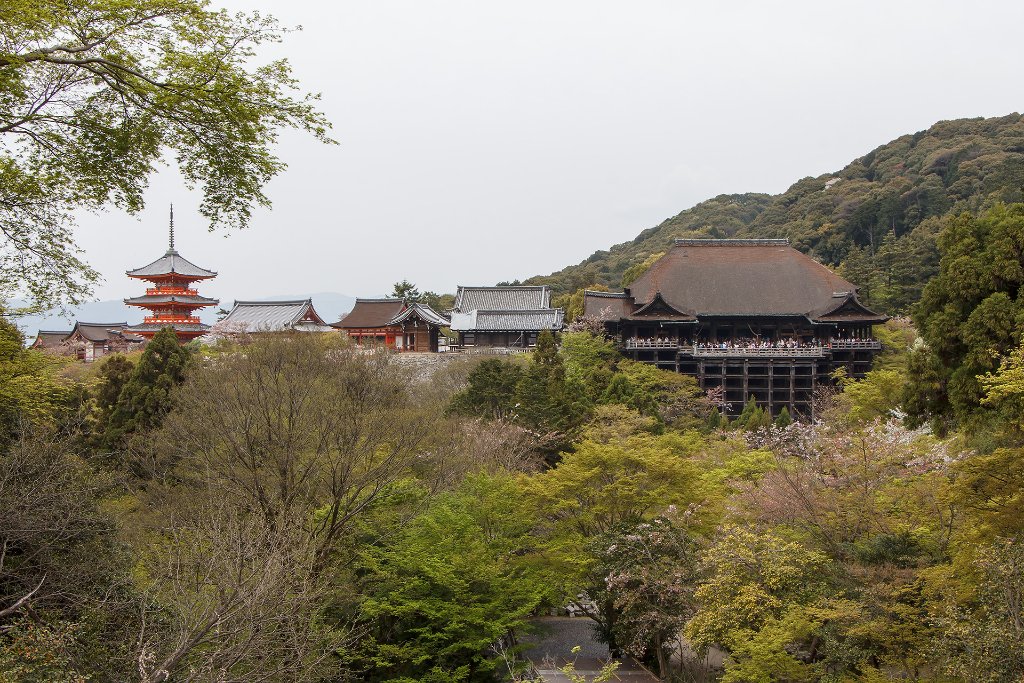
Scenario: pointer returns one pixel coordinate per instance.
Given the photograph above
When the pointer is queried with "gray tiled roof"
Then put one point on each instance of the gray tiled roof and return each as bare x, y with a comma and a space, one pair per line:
172, 262
508, 321
179, 327
423, 311
269, 316
186, 299
519, 298
50, 338
97, 332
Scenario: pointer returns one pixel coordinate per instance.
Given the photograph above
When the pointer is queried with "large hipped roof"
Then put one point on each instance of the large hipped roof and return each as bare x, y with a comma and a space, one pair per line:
742, 278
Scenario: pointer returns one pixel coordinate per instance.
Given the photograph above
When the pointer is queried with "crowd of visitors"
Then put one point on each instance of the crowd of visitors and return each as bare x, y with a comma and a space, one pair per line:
743, 343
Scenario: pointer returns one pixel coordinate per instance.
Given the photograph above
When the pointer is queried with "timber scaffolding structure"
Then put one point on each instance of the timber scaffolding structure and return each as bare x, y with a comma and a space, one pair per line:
748, 318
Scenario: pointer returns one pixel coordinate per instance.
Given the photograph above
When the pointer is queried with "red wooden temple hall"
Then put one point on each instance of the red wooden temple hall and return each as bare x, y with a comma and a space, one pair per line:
173, 299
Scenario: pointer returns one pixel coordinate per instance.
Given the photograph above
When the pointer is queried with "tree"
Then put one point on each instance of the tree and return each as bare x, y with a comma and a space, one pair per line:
95, 93
970, 313
298, 429
491, 390
405, 290
31, 389
457, 579
758, 582
648, 574
115, 373
147, 395
983, 640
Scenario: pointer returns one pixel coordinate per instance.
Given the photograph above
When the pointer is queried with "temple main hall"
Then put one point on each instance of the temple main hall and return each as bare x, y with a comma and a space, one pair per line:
748, 318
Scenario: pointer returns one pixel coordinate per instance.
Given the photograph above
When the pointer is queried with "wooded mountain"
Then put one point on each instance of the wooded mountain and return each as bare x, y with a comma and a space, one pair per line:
876, 219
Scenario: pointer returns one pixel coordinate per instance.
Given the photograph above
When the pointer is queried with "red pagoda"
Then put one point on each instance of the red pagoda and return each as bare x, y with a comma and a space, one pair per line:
172, 301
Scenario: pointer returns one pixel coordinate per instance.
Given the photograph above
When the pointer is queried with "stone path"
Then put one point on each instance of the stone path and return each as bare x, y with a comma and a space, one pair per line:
550, 648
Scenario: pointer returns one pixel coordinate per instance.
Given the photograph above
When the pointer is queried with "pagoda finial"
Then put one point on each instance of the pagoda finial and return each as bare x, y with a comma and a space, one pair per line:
172, 227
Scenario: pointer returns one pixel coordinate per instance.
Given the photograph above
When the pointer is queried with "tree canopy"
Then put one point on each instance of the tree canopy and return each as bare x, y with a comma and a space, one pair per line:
94, 94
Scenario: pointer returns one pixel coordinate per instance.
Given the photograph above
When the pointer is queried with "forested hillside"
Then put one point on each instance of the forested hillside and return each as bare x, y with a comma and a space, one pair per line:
876, 219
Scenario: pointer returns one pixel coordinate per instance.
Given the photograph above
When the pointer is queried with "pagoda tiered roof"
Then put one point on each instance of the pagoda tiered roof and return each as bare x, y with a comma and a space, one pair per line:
182, 299
172, 263
172, 302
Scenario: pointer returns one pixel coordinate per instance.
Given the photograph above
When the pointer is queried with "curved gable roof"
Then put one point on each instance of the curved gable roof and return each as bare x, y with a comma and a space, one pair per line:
371, 313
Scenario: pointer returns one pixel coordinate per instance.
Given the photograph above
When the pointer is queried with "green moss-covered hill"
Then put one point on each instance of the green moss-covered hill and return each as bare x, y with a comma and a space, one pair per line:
876, 219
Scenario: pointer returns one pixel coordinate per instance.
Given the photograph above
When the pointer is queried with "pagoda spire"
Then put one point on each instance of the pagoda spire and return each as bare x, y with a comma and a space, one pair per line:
172, 228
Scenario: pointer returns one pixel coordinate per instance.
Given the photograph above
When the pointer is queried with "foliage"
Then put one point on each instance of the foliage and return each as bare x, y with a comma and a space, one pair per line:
983, 640
95, 93
645, 581
406, 291
459, 577
758, 583
876, 396
31, 390
876, 219
39, 653
969, 314
147, 395
635, 271
600, 486
490, 391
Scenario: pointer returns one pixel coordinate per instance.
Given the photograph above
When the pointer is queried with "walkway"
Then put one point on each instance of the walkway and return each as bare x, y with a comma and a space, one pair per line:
550, 650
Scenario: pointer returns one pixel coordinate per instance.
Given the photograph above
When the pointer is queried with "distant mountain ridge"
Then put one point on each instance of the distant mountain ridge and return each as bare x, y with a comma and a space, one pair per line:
875, 220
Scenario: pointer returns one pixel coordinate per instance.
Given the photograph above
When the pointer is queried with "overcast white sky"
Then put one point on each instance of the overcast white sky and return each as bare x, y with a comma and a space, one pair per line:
486, 141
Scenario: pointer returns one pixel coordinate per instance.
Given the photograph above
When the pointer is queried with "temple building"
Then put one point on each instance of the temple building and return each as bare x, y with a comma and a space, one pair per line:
49, 340
91, 341
752, 318
393, 324
173, 299
509, 317
273, 316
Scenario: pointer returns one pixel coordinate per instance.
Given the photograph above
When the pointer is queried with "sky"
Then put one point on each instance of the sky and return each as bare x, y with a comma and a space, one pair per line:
485, 141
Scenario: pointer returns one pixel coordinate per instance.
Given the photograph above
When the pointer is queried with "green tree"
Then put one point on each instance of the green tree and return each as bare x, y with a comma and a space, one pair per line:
783, 419
753, 602
31, 390
405, 290
456, 579
490, 391
147, 395
635, 271
544, 398
983, 640
95, 93
114, 374
970, 313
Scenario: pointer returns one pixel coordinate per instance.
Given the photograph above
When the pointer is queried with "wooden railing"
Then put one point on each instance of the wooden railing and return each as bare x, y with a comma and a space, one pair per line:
866, 344
150, 291
757, 352
652, 344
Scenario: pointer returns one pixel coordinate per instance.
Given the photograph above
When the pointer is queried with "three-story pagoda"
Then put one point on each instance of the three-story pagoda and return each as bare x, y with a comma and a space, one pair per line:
173, 299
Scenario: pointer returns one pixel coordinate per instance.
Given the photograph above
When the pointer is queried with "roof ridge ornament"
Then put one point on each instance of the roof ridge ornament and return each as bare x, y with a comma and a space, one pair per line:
172, 228
731, 242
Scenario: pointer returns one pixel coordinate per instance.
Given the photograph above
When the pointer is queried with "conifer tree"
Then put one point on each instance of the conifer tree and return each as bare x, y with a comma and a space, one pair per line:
146, 397
114, 375
783, 419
